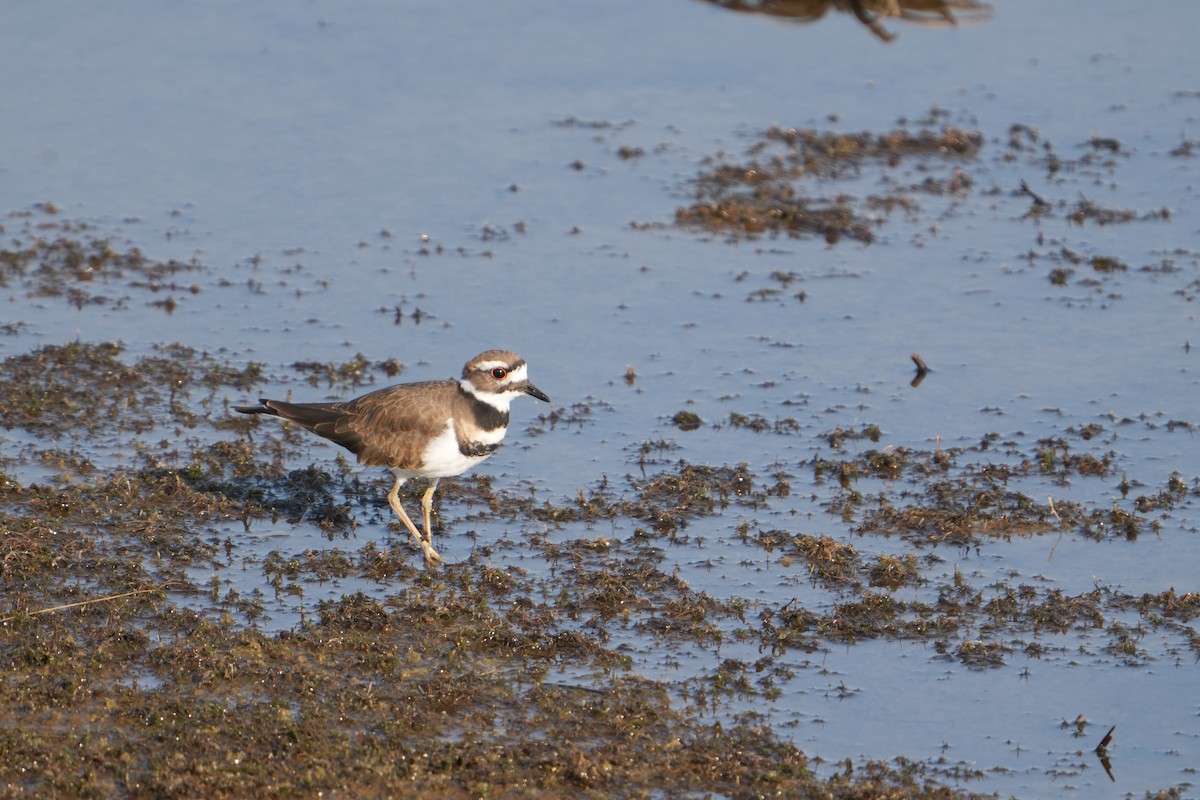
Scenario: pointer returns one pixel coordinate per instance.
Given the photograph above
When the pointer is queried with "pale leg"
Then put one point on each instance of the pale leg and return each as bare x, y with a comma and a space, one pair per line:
427, 509
431, 556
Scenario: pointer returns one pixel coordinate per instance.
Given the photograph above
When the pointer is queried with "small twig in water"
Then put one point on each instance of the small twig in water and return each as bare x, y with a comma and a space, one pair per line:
1102, 753
922, 370
106, 599
1102, 748
1037, 200
1054, 511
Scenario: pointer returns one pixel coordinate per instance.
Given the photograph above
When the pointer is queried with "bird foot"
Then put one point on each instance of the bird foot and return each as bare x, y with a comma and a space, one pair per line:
432, 559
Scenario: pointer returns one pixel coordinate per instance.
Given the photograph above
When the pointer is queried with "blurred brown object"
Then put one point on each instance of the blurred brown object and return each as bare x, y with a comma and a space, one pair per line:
868, 12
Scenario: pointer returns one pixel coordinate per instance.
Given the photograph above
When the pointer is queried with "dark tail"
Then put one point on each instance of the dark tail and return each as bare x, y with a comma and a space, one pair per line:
324, 419
262, 408
307, 414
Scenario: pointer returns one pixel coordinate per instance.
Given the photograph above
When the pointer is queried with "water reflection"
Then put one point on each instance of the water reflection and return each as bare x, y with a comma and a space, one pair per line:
869, 12
922, 371
1102, 752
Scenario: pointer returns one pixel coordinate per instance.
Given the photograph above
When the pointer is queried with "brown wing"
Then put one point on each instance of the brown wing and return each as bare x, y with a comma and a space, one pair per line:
385, 428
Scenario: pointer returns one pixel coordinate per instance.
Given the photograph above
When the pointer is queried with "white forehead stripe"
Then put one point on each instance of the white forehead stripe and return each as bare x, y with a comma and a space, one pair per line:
488, 366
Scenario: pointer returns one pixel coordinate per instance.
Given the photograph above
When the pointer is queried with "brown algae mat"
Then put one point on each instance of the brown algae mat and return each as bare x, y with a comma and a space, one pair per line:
123, 479
124, 676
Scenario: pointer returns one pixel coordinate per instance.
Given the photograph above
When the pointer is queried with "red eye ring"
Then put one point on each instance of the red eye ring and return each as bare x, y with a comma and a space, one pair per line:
499, 373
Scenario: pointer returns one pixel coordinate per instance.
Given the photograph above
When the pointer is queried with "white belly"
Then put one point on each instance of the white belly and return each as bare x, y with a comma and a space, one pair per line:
442, 458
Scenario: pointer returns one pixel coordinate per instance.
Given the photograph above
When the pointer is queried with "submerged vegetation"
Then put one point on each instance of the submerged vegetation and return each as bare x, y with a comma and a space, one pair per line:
163, 632
835, 186
773, 192
137, 664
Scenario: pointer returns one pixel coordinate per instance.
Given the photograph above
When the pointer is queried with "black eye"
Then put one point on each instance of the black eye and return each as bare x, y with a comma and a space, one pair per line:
499, 373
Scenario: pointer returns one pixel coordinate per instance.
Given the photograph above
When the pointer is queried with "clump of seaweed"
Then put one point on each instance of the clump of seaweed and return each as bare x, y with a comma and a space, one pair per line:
668, 499
87, 387
88, 270
101, 625
767, 195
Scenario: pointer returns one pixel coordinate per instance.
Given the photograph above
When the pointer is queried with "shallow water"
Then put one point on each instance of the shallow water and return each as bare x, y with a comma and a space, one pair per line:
329, 164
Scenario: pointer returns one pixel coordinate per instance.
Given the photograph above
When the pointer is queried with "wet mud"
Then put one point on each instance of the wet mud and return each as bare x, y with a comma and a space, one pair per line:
131, 677
124, 480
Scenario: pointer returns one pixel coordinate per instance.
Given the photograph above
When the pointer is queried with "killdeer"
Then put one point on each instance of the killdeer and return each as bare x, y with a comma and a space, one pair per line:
432, 429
